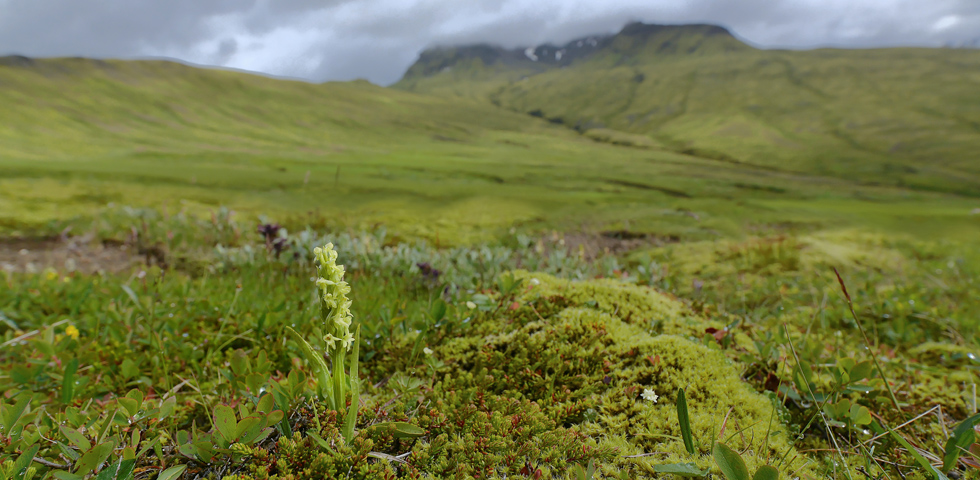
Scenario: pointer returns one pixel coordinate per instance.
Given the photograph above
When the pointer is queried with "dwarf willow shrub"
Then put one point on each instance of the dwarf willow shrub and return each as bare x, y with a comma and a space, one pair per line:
458, 268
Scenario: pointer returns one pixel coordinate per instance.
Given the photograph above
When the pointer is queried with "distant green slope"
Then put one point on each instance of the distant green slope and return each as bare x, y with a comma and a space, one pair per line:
96, 106
906, 117
76, 135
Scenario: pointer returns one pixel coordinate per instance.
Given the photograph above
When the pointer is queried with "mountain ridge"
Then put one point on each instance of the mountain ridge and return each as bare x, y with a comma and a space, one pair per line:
904, 116
77, 134
529, 60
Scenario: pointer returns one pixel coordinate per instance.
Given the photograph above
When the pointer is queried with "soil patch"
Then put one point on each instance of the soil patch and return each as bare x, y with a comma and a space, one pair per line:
72, 254
595, 245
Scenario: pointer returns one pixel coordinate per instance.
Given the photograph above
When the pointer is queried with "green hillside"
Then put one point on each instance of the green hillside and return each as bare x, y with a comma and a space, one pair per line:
654, 254
76, 135
908, 117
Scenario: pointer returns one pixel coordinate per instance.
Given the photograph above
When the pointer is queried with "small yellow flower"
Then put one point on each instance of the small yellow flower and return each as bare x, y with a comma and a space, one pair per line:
50, 274
72, 332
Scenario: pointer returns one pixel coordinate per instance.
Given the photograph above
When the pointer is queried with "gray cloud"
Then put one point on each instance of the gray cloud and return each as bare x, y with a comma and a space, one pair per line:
105, 27
226, 49
378, 39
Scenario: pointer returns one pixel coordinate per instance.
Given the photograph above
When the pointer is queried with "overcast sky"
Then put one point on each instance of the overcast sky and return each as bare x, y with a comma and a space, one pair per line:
378, 39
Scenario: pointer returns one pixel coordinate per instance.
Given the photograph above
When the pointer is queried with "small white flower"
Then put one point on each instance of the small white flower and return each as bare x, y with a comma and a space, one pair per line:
650, 395
427, 351
535, 281
470, 305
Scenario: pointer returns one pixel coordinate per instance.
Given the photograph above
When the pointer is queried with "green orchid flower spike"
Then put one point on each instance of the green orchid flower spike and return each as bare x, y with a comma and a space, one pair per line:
334, 381
334, 304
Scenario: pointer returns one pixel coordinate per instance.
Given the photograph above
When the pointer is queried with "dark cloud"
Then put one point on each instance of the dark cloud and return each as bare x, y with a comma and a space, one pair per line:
106, 27
379, 39
226, 49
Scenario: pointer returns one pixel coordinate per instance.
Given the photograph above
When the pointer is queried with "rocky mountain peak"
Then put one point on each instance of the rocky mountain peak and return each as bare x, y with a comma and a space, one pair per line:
531, 59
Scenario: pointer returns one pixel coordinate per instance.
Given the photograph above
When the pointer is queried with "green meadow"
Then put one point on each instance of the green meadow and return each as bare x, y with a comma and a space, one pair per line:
679, 256
903, 116
79, 134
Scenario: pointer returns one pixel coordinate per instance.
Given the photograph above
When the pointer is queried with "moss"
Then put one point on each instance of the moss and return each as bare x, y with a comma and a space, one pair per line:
549, 381
496, 436
634, 304
585, 352
843, 249
850, 249
712, 385
945, 354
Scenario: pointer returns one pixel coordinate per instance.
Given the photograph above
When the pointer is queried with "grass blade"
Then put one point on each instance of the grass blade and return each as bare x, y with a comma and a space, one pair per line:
318, 365
319, 440
68, 382
132, 296
867, 344
918, 456
401, 430
685, 421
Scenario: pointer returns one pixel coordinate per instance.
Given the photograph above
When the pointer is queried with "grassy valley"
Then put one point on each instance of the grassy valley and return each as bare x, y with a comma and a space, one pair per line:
905, 117
653, 254
79, 134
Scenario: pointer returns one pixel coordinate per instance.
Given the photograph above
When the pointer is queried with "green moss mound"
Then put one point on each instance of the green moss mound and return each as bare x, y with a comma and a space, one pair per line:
615, 341
632, 304
779, 254
559, 374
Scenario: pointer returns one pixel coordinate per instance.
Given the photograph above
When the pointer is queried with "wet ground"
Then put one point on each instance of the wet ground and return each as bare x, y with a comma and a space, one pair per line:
76, 254
595, 245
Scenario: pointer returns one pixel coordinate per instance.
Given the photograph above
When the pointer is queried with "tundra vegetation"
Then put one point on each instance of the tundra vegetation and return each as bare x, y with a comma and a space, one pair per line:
209, 274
